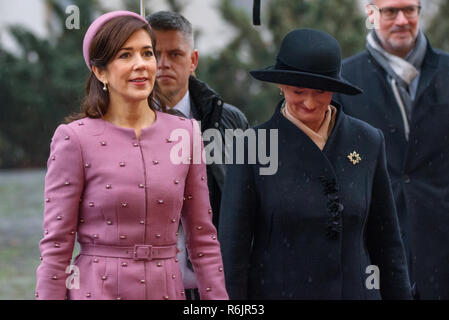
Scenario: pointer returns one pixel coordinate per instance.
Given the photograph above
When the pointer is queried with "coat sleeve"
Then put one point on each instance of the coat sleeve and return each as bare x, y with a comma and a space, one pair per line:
64, 183
239, 205
383, 237
201, 236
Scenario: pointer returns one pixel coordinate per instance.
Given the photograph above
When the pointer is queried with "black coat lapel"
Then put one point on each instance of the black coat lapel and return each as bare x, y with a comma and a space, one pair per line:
429, 68
298, 142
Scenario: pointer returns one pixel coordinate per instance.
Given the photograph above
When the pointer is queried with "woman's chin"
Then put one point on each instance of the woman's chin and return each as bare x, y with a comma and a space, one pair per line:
141, 96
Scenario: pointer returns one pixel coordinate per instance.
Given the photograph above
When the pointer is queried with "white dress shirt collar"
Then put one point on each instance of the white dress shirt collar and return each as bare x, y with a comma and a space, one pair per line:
184, 105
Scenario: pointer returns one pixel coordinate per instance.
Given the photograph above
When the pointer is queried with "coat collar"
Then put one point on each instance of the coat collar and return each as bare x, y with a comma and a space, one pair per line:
204, 102
429, 68
291, 130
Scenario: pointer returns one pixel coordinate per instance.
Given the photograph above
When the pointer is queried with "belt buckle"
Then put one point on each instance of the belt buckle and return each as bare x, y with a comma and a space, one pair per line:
142, 252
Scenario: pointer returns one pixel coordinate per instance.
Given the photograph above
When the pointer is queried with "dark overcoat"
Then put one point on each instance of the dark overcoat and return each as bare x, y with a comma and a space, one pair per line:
209, 108
419, 167
311, 230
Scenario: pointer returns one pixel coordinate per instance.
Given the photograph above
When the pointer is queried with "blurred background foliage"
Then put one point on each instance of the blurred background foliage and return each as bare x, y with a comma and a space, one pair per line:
43, 84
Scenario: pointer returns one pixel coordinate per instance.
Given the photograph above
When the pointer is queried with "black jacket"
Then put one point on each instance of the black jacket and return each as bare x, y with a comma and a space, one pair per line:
311, 230
209, 108
419, 167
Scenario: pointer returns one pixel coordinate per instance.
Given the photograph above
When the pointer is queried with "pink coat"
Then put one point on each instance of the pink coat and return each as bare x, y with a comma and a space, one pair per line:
112, 192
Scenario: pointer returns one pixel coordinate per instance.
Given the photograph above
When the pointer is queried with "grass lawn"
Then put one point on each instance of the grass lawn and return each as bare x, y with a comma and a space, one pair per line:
21, 212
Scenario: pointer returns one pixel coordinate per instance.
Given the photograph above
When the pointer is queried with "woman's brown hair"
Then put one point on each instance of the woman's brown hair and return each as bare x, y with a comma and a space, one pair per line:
104, 47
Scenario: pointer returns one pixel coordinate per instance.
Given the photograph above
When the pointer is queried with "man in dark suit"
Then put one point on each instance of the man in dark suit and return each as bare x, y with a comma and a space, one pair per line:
405, 84
177, 60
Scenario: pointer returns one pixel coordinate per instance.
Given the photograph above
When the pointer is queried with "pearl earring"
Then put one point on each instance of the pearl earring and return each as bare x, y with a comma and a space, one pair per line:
105, 88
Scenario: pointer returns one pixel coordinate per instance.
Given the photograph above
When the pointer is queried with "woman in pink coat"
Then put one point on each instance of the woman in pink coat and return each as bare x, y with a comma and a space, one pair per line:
117, 184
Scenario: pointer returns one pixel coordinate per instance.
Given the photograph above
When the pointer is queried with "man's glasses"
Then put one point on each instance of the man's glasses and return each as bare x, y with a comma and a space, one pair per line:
390, 13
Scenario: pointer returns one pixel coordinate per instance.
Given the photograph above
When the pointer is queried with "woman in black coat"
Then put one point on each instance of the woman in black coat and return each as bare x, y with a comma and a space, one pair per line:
324, 226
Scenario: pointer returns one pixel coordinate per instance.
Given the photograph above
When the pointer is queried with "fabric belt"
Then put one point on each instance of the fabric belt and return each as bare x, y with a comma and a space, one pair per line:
138, 252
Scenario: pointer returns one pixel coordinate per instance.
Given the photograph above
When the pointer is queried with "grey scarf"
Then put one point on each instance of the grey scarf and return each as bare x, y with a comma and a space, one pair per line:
403, 74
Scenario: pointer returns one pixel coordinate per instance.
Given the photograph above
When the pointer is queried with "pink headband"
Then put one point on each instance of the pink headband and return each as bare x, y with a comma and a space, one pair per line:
97, 24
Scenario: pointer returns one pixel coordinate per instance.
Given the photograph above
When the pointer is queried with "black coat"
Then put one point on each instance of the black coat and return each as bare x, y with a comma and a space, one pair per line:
419, 167
208, 107
311, 230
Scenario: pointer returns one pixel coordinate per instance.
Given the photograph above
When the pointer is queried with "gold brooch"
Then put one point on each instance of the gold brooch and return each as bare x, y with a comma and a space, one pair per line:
354, 157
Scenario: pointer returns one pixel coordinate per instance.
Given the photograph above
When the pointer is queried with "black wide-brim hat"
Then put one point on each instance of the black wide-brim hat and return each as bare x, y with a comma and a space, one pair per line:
310, 59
